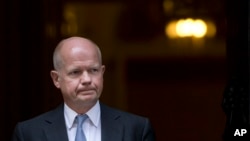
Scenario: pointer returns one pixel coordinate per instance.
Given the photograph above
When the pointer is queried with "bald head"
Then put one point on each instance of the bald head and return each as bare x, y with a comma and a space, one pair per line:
73, 44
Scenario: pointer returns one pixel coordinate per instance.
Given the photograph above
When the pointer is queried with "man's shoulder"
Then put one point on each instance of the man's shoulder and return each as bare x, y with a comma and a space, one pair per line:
113, 111
46, 116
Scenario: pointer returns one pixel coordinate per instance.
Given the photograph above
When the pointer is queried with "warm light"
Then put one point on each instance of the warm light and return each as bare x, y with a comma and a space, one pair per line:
199, 28
184, 28
189, 28
211, 29
170, 30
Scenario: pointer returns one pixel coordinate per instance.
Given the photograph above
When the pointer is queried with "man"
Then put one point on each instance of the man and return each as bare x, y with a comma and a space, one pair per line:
79, 75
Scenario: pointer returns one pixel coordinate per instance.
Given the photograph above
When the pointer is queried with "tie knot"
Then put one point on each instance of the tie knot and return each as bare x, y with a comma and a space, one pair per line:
80, 119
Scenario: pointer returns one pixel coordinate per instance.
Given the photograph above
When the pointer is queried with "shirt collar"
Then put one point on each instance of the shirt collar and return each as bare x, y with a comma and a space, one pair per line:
93, 114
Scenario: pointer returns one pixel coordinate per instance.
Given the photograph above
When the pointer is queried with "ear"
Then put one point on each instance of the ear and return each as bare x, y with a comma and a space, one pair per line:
103, 69
55, 77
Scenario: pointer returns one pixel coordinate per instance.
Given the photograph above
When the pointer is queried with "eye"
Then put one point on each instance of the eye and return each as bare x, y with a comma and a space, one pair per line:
94, 70
75, 72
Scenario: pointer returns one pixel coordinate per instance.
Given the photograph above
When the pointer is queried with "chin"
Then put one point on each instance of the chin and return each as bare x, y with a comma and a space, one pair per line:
89, 99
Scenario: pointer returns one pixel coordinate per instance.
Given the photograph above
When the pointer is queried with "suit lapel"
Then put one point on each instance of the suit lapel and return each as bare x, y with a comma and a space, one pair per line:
112, 129
56, 128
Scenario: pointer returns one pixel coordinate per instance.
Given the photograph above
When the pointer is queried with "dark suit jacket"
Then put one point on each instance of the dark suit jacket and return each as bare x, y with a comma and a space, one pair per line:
116, 126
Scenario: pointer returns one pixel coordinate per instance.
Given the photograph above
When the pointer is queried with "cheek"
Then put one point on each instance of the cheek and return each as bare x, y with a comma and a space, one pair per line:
68, 86
99, 83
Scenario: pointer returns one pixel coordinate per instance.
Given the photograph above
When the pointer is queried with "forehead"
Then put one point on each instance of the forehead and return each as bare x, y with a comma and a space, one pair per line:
78, 43
79, 51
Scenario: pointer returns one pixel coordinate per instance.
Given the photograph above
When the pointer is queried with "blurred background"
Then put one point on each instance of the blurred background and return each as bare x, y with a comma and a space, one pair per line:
169, 60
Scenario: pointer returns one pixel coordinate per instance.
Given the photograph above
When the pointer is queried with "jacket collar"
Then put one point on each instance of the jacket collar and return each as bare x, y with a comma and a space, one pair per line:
56, 128
112, 129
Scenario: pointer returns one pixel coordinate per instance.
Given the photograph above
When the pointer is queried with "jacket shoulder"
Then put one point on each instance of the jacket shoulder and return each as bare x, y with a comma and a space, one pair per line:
48, 116
118, 113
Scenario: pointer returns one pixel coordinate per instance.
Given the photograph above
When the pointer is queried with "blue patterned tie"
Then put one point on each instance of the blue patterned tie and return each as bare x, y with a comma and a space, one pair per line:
79, 132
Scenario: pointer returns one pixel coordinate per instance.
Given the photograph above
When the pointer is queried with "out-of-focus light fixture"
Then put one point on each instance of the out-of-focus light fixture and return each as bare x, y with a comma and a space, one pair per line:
70, 25
189, 27
168, 6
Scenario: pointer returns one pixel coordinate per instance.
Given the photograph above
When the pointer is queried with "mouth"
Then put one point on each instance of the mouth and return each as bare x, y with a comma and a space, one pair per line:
86, 92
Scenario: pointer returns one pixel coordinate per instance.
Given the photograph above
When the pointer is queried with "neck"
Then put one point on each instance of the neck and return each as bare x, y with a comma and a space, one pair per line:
81, 108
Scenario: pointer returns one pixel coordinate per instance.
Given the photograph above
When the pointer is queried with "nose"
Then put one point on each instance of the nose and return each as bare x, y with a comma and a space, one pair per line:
85, 78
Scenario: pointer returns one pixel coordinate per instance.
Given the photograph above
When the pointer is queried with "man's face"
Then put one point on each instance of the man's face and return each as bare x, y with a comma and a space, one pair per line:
81, 76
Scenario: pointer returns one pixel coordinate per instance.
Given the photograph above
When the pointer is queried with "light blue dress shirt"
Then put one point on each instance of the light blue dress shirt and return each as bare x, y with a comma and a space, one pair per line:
91, 127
